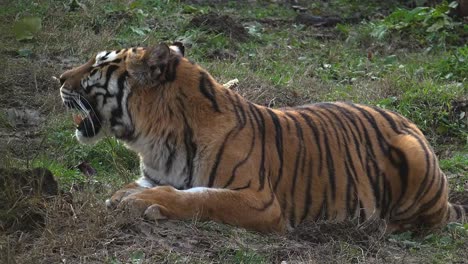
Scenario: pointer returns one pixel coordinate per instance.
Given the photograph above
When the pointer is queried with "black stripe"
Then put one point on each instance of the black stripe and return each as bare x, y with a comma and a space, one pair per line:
241, 110
237, 108
371, 120
190, 146
430, 164
170, 146
110, 70
299, 165
362, 212
423, 187
206, 88
219, 155
316, 134
434, 199
279, 145
330, 123
118, 112
387, 117
103, 58
386, 197
328, 154
351, 195
258, 117
171, 71
308, 194
354, 129
424, 207
323, 213
249, 153
243, 187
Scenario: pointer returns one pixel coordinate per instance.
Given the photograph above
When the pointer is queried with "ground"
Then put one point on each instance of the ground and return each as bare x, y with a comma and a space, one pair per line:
395, 55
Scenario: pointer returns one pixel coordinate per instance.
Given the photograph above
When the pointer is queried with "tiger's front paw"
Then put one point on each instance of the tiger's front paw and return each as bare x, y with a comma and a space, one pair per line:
155, 212
118, 196
136, 207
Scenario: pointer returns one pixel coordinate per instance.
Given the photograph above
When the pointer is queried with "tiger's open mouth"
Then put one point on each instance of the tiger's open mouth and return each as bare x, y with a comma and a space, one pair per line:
86, 119
88, 125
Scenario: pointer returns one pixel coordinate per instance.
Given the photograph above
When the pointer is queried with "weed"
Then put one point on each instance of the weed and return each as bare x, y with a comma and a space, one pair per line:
426, 25
453, 65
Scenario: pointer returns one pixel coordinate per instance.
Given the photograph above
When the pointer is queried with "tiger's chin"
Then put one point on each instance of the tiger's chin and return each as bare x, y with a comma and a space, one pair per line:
86, 139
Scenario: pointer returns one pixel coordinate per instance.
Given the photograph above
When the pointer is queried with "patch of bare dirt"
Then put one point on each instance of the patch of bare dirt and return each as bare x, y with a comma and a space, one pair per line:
317, 21
23, 198
222, 54
224, 24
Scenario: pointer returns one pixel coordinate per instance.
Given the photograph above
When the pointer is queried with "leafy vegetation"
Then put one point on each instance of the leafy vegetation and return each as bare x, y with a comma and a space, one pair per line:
426, 25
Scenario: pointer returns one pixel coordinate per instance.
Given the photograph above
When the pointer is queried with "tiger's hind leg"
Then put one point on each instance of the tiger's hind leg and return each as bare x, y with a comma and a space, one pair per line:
246, 208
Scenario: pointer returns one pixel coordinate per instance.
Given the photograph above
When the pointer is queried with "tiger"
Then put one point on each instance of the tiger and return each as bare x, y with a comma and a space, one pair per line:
209, 154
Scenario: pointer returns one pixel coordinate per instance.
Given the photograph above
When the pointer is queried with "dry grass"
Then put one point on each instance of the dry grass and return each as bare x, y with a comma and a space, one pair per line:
81, 230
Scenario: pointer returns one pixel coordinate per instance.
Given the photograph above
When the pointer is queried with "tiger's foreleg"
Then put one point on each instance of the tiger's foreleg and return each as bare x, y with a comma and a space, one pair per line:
247, 208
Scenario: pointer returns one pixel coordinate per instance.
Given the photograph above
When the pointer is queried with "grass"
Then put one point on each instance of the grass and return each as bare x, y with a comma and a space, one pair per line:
280, 63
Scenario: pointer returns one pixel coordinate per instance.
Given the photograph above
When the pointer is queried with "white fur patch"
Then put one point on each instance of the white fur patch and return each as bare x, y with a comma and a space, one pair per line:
176, 49
144, 182
105, 56
90, 140
198, 190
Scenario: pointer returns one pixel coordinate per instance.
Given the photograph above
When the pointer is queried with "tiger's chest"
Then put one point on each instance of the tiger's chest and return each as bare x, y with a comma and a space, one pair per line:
162, 163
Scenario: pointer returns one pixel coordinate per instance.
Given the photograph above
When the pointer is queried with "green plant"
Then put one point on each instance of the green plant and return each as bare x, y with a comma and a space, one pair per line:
27, 27
453, 65
426, 25
429, 105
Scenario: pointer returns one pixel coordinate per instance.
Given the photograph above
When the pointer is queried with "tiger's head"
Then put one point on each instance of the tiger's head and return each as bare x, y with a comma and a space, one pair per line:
100, 89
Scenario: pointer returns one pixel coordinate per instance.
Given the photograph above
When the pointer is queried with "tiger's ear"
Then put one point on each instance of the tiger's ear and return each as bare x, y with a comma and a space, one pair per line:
178, 47
147, 68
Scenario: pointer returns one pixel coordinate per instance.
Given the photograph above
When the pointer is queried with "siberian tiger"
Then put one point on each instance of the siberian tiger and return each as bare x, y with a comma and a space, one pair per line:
207, 153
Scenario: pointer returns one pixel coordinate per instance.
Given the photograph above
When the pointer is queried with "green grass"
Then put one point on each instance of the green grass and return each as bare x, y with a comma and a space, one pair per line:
440, 246
112, 161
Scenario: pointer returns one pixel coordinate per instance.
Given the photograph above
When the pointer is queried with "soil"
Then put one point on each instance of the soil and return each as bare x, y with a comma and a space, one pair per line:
23, 198
225, 24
